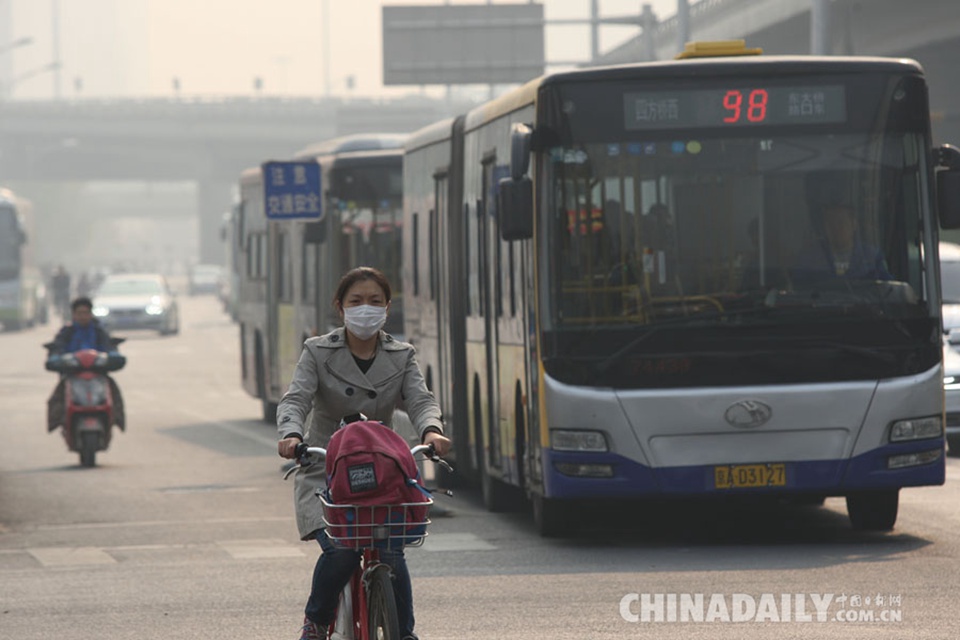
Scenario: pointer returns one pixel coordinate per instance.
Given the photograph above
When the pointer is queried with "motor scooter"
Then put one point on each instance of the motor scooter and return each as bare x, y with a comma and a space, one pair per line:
90, 399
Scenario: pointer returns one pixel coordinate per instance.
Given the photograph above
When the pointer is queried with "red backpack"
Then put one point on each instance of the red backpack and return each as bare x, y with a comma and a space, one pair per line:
369, 466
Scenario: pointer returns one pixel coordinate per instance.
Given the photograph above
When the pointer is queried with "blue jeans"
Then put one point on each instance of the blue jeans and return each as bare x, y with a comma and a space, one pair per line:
332, 573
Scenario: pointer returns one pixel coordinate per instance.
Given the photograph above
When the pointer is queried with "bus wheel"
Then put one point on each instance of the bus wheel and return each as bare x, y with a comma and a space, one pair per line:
553, 518
269, 411
873, 510
954, 441
496, 494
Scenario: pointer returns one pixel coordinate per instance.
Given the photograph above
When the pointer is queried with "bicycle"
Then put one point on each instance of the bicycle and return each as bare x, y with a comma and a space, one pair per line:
367, 608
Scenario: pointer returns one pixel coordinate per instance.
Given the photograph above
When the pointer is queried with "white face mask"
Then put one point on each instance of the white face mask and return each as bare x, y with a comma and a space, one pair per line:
365, 320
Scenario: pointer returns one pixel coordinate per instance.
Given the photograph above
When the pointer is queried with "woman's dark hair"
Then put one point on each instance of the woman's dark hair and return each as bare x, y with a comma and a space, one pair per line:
358, 274
81, 302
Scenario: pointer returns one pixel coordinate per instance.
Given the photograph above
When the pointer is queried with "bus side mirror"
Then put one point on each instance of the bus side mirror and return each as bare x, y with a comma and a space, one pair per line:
515, 194
520, 136
948, 185
515, 208
948, 198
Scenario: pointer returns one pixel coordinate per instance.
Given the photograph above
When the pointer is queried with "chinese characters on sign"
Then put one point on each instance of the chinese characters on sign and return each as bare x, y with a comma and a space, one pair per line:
292, 190
808, 103
656, 110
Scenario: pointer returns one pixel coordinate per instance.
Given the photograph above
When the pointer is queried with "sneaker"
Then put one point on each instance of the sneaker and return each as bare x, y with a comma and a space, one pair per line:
312, 631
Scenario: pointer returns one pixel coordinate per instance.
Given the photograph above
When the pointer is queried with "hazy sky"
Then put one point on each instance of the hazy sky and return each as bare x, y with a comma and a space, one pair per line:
217, 47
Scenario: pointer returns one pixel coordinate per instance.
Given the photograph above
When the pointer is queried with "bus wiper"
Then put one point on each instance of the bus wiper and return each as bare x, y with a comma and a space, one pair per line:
863, 352
613, 358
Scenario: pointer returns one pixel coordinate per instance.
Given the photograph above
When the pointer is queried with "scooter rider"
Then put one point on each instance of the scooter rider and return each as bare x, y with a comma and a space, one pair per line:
84, 332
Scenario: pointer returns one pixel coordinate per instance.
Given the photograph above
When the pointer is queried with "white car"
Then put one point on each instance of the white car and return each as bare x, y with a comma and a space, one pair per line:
204, 278
136, 301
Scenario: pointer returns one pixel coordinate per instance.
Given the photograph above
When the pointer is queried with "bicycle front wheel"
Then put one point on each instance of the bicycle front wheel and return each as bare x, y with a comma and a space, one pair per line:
382, 606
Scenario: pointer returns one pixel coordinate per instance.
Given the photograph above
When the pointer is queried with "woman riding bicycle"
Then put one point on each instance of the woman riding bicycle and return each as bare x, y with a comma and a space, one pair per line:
354, 369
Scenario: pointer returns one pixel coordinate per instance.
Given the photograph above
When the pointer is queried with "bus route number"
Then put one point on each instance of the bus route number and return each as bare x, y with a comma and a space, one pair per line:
751, 106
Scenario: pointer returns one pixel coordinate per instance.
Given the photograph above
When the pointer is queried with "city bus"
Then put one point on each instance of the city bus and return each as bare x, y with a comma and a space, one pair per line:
22, 299
639, 261
289, 269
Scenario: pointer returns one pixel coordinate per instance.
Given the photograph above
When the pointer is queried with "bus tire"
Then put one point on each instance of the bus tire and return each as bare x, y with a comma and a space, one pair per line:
953, 441
496, 494
873, 510
269, 410
553, 518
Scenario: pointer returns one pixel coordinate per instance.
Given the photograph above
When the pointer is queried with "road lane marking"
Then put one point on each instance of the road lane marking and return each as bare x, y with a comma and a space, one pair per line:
456, 542
160, 523
70, 556
269, 548
252, 549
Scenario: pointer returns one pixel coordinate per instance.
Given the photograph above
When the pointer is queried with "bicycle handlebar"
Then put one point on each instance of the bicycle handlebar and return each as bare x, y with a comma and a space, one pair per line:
304, 451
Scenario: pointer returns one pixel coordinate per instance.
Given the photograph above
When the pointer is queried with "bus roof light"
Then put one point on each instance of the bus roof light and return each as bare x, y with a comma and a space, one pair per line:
717, 49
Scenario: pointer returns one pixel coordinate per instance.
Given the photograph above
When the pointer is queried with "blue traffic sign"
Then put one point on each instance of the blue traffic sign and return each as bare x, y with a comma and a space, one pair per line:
292, 190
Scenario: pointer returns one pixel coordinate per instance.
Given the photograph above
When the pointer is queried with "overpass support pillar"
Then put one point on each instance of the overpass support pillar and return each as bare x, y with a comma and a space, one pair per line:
820, 28
214, 198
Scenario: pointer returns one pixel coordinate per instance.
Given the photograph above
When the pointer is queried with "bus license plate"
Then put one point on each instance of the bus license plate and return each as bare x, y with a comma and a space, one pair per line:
736, 476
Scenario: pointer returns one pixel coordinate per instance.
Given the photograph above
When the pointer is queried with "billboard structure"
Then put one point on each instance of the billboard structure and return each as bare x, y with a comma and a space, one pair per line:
462, 44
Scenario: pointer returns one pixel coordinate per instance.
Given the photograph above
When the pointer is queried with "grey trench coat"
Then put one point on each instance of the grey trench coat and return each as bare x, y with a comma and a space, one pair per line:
328, 381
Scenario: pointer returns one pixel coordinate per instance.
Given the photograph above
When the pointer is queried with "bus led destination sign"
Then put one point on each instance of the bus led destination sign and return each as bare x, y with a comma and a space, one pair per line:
735, 107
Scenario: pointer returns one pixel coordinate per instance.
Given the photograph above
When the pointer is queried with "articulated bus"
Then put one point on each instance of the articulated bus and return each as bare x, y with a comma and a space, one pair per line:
712, 276
22, 299
289, 269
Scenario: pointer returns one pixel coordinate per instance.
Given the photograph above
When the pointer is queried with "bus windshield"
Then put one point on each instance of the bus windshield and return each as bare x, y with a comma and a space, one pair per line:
735, 243
370, 203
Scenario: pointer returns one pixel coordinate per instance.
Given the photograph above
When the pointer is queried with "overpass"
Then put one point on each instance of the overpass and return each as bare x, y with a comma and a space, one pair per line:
925, 30
208, 141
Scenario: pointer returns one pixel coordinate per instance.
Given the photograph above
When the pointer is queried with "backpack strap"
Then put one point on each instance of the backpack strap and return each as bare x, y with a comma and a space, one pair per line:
423, 489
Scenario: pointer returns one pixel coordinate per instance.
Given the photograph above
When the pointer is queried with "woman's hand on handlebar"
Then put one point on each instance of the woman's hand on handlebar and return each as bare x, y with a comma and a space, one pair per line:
441, 444
287, 448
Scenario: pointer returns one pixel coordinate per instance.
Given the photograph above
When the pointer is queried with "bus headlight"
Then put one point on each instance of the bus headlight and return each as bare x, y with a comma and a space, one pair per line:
567, 440
916, 429
101, 312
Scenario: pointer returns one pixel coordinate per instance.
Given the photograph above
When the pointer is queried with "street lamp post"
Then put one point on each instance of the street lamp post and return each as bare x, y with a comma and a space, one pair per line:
8, 89
6, 69
19, 42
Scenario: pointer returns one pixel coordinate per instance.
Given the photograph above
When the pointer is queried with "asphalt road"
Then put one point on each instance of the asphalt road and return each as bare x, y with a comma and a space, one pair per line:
184, 530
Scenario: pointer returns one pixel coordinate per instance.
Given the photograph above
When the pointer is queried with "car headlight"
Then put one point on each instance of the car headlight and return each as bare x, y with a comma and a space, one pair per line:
100, 311
154, 310
916, 429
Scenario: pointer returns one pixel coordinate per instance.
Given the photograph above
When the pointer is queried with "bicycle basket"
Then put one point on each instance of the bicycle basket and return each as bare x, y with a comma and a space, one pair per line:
383, 526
